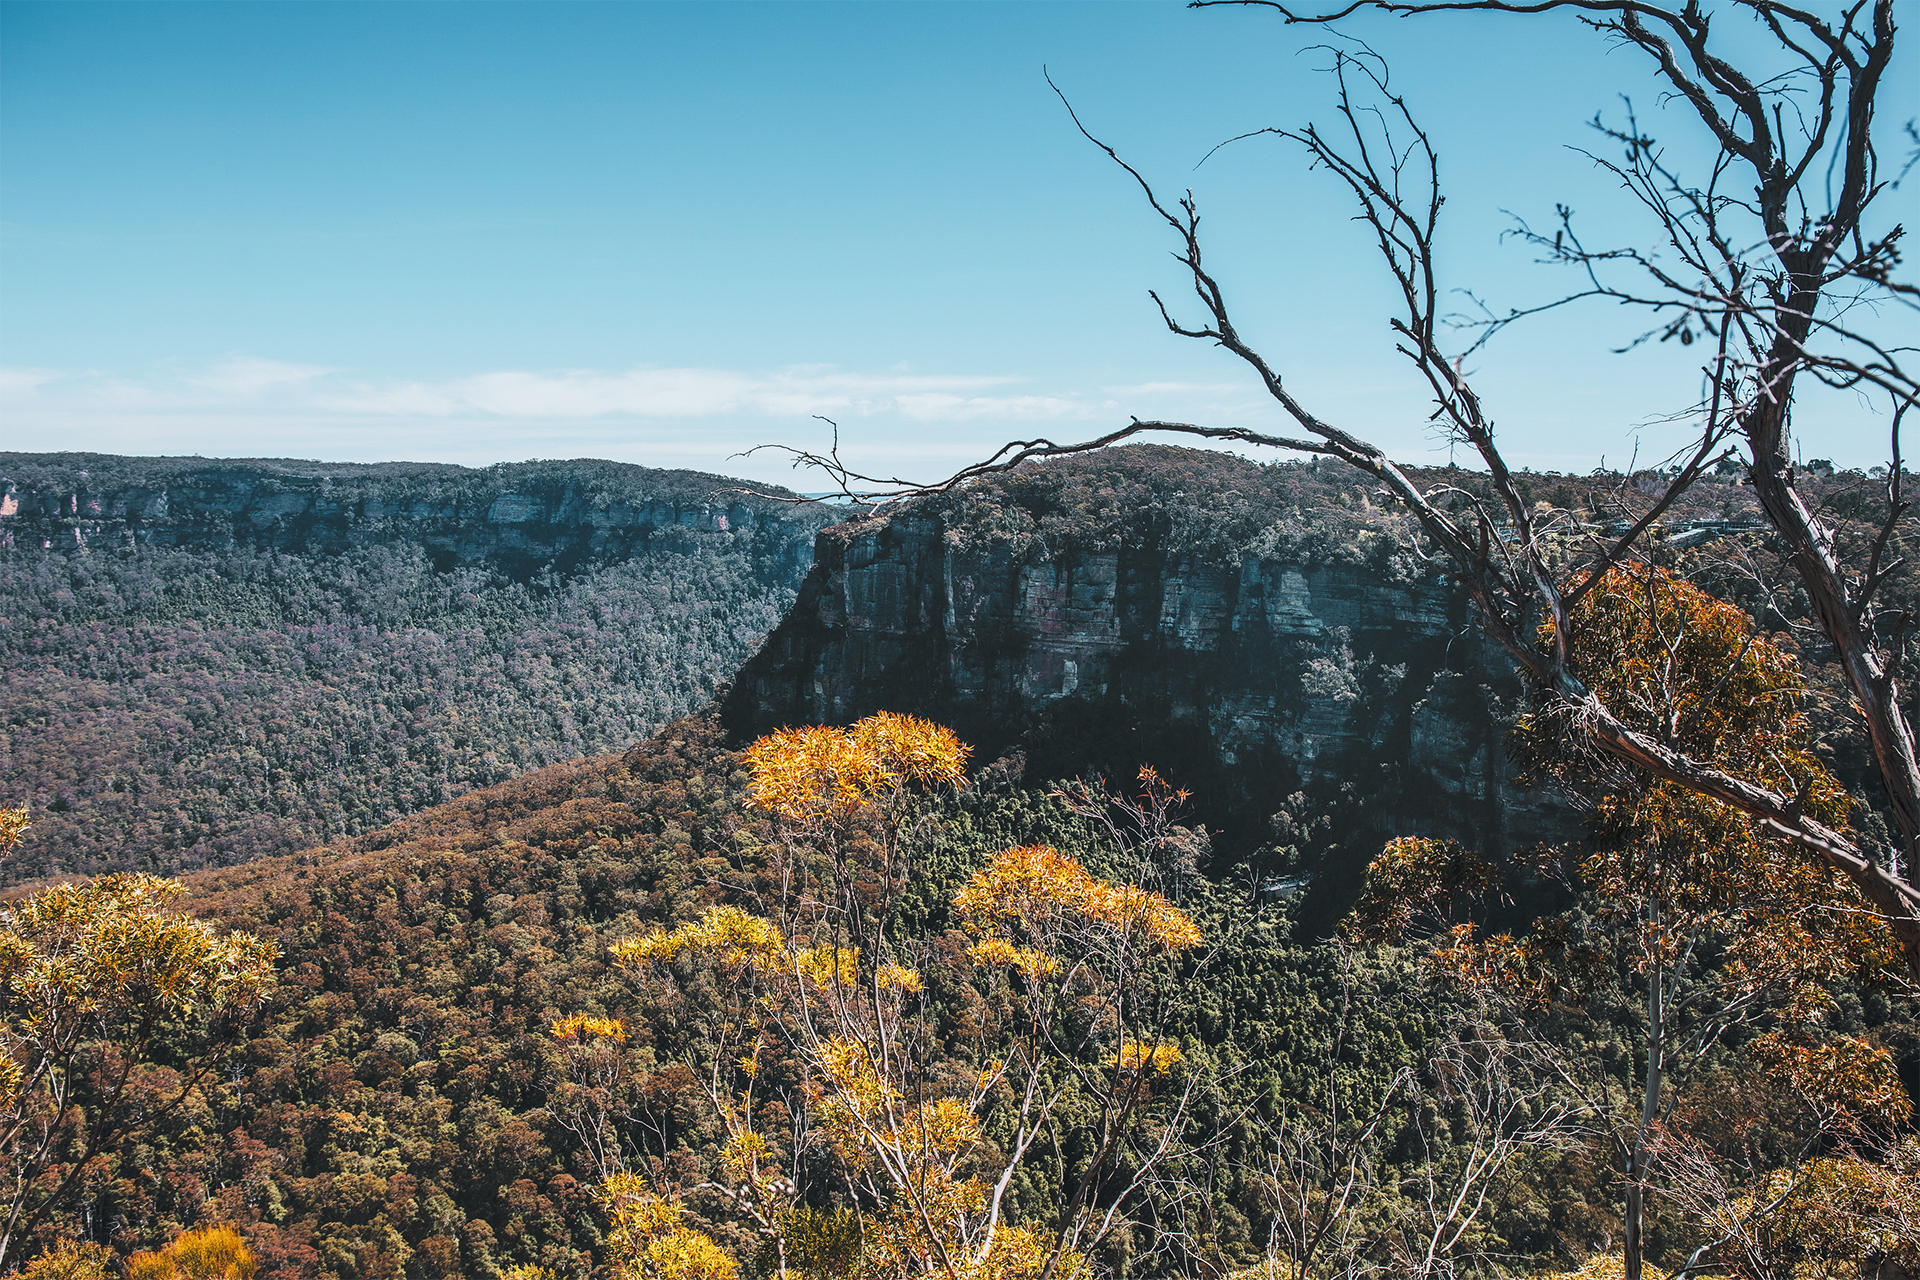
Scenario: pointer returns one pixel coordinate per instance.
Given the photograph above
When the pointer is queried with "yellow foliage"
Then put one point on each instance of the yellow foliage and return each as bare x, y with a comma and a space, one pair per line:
13, 826
580, 1028
1270, 1268
999, 952
851, 1088
828, 965
827, 774
894, 977
1035, 886
1158, 1059
1129, 909
942, 1127
1029, 884
70, 1259
151, 1266
743, 1154
817, 771
1021, 1253
684, 1254
897, 1240
827, 994
893, 1241
919, 750
103, 961
1603, 1266
99, 948
211, 1253
12, 1077
649, 1240
734, 937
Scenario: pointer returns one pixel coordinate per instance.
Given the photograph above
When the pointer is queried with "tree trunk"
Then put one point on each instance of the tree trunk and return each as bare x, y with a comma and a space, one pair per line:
1635, 1246
1635, 1208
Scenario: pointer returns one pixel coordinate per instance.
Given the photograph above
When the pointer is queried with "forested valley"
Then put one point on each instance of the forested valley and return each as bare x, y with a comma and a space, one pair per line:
844, 1002
202, 679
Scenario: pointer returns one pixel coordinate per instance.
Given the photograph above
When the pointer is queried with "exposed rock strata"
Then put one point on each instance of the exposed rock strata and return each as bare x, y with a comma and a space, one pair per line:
1253, 680
515, 517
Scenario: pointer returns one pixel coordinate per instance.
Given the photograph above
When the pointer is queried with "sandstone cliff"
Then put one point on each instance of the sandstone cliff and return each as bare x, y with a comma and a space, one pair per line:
1255, 633
513, 517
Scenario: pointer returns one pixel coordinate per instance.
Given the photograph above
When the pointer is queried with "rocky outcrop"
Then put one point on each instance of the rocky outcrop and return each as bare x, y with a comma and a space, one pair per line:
1349, 683
515, 517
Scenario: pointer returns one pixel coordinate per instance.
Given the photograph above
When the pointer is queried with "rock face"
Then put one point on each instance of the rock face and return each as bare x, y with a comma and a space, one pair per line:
514, 517
1344, 683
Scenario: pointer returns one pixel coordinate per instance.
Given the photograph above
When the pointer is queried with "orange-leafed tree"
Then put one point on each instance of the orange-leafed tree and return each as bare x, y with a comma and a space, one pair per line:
210, 1253
1699, 931
821, 1011
68, 1259
91, 974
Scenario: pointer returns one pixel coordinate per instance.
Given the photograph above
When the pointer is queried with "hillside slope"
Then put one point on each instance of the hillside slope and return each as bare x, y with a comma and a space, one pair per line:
394, 1111
1263, 635
205, 662
398, 1109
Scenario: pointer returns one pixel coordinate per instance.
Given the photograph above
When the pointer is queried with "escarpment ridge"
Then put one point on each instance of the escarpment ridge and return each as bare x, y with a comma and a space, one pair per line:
1264, 635
204, 661
517, 517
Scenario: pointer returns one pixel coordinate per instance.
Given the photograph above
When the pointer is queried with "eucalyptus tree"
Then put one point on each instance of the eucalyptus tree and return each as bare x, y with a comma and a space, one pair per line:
92, 976
1774, 260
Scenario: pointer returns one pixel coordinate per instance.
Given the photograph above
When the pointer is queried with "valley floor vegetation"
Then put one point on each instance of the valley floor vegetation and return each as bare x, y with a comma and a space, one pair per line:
168, 709
836, 1006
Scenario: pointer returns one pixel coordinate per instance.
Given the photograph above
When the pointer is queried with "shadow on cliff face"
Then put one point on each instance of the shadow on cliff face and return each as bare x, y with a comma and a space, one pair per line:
1254, 633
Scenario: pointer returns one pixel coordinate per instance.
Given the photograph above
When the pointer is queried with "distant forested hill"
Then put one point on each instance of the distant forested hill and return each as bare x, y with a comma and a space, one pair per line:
277, 663
206, 662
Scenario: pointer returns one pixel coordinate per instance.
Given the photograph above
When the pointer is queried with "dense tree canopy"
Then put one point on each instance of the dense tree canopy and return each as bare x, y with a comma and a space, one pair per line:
169, 709
92, 978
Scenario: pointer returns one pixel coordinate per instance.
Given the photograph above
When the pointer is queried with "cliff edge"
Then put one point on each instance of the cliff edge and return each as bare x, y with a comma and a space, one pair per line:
1263, 635
512, 517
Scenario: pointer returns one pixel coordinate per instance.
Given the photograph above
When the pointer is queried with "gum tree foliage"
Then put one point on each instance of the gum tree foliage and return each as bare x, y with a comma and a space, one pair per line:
210, 1253
1700, 934
1771, 259
392, 1108
92, 976
862, 1137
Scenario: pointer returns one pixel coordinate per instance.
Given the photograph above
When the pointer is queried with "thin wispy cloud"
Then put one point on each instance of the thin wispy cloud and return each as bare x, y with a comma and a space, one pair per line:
896, 420
255, 386
1177, 388
246, 376
18, 382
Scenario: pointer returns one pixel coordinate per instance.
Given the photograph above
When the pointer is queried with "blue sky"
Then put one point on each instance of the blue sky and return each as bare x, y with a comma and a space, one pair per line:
663, 233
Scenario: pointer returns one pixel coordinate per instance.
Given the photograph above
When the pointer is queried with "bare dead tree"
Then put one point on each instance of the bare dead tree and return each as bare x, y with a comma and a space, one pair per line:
1780, 280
